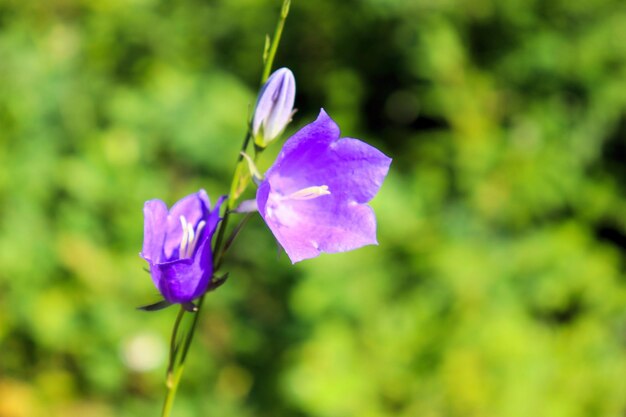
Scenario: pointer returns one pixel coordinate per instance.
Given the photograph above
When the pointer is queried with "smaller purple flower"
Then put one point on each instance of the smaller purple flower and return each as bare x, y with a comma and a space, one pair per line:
177, 245
314, 198
274, 107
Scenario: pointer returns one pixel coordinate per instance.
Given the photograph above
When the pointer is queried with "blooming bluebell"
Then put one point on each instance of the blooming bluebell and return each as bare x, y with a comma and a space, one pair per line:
177, 245
274, 107
314, 197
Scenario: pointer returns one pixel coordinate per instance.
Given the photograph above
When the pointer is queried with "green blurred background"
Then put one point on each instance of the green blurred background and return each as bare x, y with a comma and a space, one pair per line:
498, 288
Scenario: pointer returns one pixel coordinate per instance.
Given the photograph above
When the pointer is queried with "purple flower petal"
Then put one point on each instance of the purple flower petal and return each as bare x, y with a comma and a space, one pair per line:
182, 280
314, 196
326, 224
155, 214
305, 145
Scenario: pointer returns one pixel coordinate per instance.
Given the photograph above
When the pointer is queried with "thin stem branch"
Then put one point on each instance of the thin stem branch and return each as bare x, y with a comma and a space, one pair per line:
275, 40
176, 371
231, 239
173, 348
190, 333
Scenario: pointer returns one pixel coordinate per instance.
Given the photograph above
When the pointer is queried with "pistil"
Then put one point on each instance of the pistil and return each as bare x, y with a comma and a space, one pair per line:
309, 193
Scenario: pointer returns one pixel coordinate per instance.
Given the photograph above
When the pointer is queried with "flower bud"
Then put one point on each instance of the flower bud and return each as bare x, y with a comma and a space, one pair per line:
274, 107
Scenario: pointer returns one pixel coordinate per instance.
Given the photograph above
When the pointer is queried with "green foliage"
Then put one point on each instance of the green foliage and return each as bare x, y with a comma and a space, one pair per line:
499, 285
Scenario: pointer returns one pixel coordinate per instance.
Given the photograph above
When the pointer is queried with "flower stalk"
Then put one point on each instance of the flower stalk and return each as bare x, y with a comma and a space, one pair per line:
240, 181
314, 199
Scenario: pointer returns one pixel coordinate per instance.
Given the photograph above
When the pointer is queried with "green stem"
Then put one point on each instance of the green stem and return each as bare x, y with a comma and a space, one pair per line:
172, 387
173, 349
275, 41
234, 185
175, 370
190, 333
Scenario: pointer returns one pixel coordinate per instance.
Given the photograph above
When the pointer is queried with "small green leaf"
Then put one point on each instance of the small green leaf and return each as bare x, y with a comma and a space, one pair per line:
159, 305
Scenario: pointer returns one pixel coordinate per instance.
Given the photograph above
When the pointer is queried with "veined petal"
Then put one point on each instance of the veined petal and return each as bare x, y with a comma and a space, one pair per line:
213, 215
301, 150
304, 228
283, 107
182, 280
353, 169
155, 216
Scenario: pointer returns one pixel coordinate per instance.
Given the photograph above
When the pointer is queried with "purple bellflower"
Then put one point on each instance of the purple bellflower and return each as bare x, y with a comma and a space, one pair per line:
274, 107
177, 245
314, 198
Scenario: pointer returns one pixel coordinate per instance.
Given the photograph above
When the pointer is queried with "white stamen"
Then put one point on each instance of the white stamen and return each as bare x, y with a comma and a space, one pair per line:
190, 237
193, 240
309, 193
199, 229
184, 240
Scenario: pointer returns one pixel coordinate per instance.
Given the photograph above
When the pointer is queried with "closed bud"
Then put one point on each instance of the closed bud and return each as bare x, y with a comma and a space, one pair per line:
274, 107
